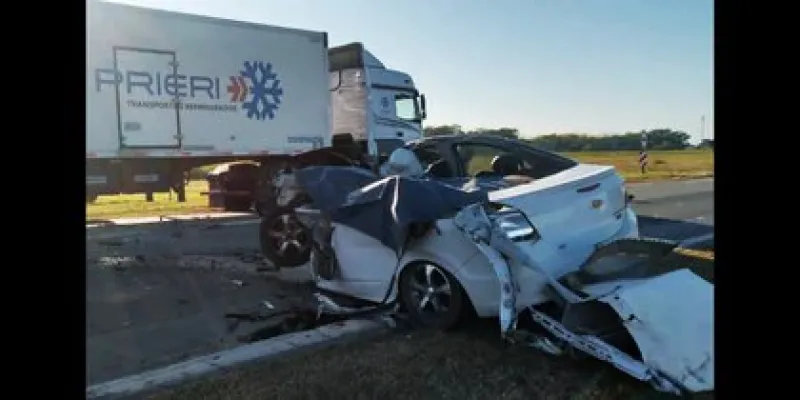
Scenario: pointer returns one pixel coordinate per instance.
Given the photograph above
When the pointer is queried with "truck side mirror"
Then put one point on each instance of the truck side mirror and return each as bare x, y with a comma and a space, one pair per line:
423, 110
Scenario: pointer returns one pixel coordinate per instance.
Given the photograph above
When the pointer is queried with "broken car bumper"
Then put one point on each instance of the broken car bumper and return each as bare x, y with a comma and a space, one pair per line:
669, 317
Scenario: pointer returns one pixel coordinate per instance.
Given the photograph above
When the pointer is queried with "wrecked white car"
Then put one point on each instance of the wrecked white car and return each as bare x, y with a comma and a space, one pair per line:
516, 234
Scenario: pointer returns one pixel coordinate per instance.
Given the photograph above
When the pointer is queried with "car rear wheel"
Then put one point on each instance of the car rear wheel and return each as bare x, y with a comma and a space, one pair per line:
284, 240
432, 296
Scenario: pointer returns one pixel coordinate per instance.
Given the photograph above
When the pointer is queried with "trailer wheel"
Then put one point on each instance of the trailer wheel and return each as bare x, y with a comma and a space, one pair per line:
284, 240
431, 296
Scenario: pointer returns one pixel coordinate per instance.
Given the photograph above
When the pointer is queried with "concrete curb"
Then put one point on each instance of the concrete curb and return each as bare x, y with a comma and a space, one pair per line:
204, 217
281, 346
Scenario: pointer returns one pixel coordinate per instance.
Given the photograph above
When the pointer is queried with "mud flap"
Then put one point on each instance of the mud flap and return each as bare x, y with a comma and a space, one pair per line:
677, 354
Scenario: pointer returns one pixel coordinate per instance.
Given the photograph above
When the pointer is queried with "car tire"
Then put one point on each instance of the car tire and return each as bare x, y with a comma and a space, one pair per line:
445, 305
285, 242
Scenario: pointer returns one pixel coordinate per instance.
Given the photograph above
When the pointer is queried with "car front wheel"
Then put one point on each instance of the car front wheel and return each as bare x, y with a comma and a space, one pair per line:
431, 295
284, 240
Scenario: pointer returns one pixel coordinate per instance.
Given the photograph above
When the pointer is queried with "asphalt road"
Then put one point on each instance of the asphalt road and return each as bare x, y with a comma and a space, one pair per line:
675, 210
158, 296
156, 293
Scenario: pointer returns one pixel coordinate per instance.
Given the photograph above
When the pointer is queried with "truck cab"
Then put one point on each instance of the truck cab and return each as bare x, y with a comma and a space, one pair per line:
379, 107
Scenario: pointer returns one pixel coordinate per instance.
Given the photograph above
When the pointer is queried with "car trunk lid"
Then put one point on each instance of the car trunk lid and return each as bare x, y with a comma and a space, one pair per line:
583, 204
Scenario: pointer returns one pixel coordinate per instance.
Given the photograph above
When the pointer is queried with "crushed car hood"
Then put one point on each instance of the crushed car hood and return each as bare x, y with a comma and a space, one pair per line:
384, 208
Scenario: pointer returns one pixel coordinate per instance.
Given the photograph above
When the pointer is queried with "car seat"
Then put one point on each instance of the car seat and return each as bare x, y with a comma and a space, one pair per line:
505, 164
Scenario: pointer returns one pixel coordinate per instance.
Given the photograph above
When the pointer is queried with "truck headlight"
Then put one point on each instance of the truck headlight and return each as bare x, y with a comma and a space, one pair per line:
516, 226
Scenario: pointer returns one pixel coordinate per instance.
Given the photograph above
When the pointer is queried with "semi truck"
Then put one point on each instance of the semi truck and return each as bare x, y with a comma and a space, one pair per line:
169, 92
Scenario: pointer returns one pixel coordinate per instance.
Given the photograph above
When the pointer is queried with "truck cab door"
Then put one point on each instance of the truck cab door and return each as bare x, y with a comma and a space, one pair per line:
388, 120
149, 115
387, 130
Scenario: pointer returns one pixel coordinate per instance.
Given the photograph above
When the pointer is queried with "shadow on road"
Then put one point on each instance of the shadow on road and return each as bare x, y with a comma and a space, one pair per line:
672, 229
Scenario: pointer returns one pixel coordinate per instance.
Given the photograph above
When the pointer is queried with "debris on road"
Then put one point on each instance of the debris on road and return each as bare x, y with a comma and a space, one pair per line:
155, 293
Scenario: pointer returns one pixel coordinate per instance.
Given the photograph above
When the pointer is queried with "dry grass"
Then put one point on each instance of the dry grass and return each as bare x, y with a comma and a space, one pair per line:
663, 165
470, 363
134, 205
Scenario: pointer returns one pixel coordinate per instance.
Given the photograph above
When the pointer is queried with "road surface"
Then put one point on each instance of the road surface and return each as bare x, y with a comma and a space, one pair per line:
157, 292
675, 210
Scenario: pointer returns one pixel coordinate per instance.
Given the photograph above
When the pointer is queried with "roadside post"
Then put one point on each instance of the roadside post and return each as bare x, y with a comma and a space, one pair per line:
643, 154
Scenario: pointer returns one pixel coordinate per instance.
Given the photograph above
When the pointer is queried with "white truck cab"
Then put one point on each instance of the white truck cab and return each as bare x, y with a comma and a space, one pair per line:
378, 106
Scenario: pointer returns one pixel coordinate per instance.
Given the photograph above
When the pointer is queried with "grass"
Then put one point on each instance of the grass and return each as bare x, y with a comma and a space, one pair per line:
470, 363
664, 165
134, 205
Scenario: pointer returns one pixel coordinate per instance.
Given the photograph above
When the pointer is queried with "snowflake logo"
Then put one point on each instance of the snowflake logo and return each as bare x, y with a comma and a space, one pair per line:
266, 90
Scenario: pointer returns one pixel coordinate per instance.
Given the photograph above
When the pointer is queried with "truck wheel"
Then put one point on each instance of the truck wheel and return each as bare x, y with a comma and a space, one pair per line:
284, 240
432, 297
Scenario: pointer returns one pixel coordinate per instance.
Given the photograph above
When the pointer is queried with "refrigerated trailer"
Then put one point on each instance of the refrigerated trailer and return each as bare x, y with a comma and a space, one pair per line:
168, 92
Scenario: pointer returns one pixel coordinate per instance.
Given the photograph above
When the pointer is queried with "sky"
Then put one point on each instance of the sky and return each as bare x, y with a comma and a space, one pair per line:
542, 66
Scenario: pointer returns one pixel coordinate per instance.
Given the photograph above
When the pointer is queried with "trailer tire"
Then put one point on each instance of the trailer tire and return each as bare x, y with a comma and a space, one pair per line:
284, 240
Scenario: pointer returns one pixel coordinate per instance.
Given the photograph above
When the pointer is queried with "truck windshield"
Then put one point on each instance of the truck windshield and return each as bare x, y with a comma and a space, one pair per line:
407, 107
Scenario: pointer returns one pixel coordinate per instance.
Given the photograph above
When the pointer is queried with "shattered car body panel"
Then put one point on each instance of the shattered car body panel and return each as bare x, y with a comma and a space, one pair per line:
385, 208
673, 334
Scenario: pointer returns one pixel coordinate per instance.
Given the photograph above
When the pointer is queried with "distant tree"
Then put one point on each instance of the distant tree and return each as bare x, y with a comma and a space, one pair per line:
657, 139
512, 133
667, 139
442, 130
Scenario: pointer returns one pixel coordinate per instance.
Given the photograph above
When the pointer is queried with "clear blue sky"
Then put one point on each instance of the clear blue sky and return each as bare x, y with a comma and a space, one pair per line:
593, 66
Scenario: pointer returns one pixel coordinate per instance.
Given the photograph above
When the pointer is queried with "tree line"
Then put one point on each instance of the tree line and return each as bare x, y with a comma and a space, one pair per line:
657, 139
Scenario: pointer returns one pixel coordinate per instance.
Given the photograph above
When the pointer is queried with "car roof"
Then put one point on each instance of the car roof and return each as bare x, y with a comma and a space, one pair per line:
488, 139
481, 138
